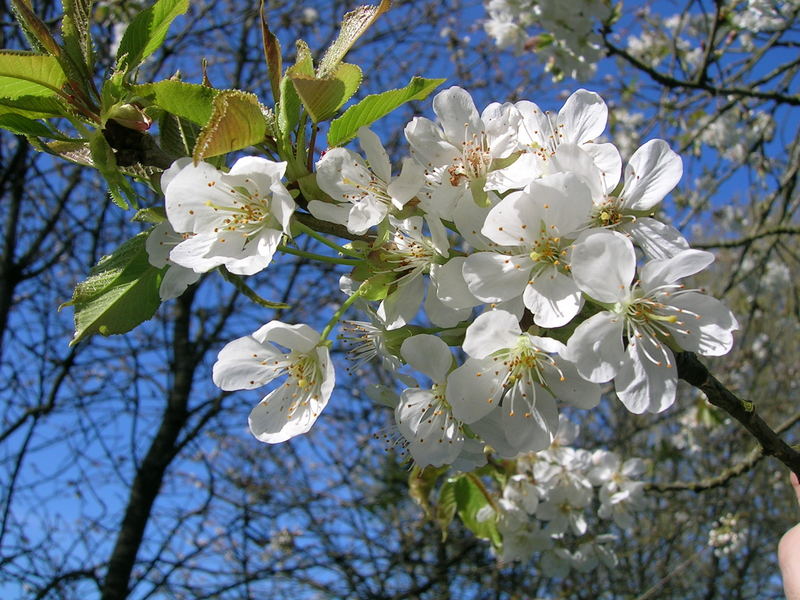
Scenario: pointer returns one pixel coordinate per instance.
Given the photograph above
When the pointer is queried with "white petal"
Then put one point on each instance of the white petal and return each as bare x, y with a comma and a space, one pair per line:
553, 298
364, 214
402, 305
246, 364
496, 277
282, 415
608, 161
377, 158
201, 253
175, 168
583, 117
406, 185
643, 385
573, 389
595, 347
658, 272
656, 239
492, 331
427, 144
442, 315
473, 390
159, 242
457, 114
653, 171
327, 211
264, 172
706, 325
451, 289
175, 282
298, 337
428, 354
603, 264
535, 432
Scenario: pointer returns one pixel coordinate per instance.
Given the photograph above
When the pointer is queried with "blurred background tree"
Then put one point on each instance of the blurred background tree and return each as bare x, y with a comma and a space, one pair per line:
128, 474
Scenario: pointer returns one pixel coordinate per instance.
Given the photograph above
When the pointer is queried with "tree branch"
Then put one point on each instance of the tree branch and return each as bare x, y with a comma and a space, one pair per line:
691, 370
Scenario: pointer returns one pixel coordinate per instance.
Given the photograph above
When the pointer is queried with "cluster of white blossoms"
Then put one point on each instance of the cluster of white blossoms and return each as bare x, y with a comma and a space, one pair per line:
563, 34
727, 535
544, 507
510, 235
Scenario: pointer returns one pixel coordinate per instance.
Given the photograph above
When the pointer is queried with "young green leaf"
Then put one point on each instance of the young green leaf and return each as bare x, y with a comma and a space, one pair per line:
105, 161
375, 106
147, 32
29, 74
30, 106
323, 97
446, 506
420, 484
189, 101
120, 293
20, 125
471, 500
35, 31
272, 54
75, 33
236, 122
354, 24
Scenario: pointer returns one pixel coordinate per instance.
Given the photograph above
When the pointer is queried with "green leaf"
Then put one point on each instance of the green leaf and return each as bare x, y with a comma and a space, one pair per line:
32, 107
29, 74
420, 484
323, 97
75, 33
36, 32
289, 102
272, 54
177, 136
120, 293
76, 152
471, 499
236, 122
354, 24
375, 106
105, 161
189, 101
20, 125
446, 506
147, 32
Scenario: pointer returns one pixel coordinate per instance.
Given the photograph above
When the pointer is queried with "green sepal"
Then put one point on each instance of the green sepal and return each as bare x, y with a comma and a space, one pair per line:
377, 286
120, 293
153, 215
375, 106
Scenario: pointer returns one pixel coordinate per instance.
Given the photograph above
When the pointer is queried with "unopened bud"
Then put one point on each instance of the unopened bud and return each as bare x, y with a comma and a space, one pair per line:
131, 116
